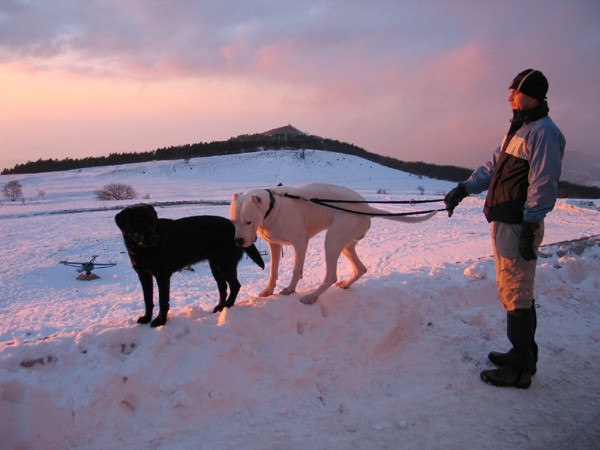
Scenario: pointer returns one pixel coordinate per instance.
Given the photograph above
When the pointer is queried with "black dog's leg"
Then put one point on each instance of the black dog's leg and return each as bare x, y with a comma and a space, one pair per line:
229, 271
147, 289
164, 286
221, 285
234, 289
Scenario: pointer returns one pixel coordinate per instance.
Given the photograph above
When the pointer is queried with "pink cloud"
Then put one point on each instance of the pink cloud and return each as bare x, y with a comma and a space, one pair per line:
416, 80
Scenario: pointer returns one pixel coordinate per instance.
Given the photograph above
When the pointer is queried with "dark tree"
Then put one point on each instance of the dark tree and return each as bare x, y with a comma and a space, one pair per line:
116, 191
13, 190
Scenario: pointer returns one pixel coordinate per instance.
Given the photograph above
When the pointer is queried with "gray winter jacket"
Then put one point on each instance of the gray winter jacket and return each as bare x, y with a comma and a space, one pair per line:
527, 187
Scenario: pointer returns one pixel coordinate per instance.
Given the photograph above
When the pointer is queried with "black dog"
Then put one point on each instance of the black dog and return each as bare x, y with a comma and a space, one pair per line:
160, 247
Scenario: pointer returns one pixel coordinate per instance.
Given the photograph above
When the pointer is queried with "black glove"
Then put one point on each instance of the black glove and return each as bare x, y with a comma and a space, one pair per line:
526, 240
454, 197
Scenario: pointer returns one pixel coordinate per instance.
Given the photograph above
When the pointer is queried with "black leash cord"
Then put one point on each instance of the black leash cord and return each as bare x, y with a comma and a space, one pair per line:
388, 202
327, 203
414, 213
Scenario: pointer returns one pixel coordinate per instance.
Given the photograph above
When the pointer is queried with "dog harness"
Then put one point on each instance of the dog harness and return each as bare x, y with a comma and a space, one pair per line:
271, 203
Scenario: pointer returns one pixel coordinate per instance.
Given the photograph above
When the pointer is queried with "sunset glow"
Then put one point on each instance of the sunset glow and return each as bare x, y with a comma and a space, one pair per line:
410, 80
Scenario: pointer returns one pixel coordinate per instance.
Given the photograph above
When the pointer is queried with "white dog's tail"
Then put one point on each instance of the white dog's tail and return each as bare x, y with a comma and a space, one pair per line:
399, 217
359, 205
365, 209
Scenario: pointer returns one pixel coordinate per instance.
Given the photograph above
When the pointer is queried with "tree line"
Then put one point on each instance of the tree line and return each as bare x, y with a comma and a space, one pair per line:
259, 142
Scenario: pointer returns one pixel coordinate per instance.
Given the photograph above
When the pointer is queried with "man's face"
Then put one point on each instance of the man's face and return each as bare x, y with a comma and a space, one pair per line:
520, 101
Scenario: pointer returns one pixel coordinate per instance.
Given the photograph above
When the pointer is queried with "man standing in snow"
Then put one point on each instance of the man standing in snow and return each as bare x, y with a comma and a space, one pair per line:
522, 184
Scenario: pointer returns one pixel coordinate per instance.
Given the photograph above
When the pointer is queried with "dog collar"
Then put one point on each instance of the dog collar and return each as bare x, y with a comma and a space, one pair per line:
271, 203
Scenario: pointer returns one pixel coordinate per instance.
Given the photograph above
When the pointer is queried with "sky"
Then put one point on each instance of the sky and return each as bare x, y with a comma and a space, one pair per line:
418, 81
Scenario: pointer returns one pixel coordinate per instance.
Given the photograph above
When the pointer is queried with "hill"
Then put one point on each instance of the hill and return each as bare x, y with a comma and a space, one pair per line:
581, 168
282, 138
287, 130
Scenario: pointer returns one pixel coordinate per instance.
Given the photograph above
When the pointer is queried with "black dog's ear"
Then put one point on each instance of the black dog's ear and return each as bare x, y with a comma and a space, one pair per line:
122, 220
151, 208
147, 208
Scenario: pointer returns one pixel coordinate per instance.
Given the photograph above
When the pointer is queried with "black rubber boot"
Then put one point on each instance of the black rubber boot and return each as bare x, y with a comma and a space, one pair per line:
517, 370
500, 359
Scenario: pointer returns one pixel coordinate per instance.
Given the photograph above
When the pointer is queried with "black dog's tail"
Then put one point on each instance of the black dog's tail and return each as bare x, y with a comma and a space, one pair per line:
254, 255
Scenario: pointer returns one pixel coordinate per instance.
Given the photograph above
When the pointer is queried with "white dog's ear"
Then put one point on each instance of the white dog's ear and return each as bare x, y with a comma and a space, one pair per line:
256, 199
235, 196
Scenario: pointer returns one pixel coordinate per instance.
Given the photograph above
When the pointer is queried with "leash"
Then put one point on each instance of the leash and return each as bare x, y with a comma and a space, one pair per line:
327, 203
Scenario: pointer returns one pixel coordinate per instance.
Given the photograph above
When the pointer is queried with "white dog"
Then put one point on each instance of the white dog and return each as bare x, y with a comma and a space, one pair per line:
286, 216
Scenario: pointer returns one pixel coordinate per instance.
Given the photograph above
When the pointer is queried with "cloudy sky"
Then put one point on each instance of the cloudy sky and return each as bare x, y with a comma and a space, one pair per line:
416, 80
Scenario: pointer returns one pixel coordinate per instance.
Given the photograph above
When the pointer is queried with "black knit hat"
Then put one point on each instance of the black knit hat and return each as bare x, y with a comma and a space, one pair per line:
532, 83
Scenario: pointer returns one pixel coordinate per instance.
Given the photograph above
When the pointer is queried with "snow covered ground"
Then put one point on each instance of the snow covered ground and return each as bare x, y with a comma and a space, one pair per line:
392, 362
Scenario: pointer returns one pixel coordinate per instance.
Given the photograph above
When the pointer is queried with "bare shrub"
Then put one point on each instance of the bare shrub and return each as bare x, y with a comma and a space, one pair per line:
13, 190
116, 191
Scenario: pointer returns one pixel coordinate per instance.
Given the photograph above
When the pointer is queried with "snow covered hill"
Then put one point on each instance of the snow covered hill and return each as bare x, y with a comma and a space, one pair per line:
392, 362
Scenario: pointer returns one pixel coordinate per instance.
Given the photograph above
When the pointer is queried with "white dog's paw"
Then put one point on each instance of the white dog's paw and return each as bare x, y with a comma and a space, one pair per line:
287, 291
344, 284
266, 292
309, 299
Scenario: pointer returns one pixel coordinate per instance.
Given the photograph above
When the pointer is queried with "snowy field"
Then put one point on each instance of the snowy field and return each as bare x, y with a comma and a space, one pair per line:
391, 363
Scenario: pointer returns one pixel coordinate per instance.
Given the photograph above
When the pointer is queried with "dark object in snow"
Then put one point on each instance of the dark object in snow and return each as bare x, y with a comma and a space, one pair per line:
87, 277
85, 268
